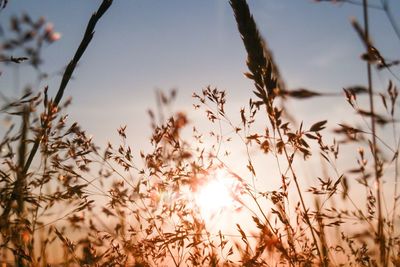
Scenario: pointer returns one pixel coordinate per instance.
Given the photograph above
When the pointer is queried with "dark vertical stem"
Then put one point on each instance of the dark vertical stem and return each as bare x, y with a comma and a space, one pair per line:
380, 236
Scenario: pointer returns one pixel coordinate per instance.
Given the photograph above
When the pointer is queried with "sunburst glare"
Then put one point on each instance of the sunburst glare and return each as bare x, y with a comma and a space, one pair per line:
219, 194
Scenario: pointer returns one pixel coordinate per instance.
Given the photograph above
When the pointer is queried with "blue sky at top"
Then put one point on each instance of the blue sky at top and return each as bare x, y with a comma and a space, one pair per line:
141, 45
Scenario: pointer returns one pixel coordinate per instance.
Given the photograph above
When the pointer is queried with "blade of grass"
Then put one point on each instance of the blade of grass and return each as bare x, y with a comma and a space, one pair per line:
71, 67
266, 83
65, 79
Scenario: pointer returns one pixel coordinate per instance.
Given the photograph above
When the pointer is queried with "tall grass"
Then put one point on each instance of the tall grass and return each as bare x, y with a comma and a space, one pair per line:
113, 207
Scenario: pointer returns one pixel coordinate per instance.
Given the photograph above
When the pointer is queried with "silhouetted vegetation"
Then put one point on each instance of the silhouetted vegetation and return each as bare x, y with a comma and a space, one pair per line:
61, 194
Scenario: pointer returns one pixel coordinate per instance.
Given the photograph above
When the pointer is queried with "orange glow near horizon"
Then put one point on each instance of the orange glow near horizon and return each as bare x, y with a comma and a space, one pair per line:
217, 195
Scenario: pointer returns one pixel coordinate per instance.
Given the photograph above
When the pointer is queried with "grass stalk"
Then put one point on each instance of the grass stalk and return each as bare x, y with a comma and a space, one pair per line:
380, 237
87, 37
303, 205
262, 73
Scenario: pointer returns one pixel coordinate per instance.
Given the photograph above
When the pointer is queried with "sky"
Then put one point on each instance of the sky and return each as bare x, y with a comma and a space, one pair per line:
142, 46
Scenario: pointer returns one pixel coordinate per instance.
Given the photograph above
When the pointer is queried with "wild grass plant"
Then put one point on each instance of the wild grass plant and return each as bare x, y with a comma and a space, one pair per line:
61, 194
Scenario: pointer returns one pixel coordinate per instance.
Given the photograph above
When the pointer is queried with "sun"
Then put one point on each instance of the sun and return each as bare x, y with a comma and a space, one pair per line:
217, 195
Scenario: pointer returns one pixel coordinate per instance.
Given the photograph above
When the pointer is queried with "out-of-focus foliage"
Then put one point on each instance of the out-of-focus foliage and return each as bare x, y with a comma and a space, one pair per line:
116, 206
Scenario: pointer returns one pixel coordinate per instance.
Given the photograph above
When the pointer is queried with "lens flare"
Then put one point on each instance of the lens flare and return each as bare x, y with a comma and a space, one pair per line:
216, 195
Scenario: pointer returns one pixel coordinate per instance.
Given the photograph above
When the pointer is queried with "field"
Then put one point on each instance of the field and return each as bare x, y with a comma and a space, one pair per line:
254, 184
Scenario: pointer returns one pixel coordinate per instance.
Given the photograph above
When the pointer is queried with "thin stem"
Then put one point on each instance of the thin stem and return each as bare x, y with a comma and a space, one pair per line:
395, 194
271, 228
390, 17
159, 232
380, 236
306, 217
70, 69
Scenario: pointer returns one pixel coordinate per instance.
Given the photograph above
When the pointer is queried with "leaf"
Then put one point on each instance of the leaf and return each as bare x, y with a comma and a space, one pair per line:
325, 157
60, 236
316, 127
304, 143
311, 136
254, 137
107, 212
301, 93
350, 97
337, 182
242, 116
350, 129
230, 252
265, 146
395, 156
242, 233
345, 187
249, 75
258, 223
361, 33
357, 89
383, 100
378, 118
251, 168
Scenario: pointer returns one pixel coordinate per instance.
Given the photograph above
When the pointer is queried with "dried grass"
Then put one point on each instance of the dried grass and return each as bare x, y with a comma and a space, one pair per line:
118, 207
